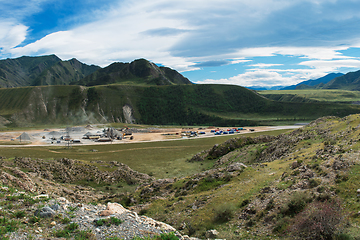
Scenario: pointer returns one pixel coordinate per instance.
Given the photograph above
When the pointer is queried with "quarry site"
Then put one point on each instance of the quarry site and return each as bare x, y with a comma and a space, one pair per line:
98, 134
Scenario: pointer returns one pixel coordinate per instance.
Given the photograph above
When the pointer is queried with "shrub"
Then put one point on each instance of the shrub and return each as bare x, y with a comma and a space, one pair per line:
65, 220
7, 225
296, 204
224, 212
320, 220
34, 219
66, 232
314, 182
341, 178
281, 226
19, 214
116, 221
244, 203
85, 235
108, 221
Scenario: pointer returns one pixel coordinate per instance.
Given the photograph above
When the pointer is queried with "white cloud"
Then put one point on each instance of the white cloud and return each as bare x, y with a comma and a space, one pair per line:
119, 36
262, 77
12, 35
179, 34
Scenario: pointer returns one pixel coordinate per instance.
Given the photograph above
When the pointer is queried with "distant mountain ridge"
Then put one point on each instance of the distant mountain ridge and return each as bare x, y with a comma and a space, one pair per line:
51, 70
313, 83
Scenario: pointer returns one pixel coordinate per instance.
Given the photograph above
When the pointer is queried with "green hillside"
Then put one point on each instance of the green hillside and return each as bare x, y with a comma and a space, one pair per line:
312, 95
349, 81
219, 105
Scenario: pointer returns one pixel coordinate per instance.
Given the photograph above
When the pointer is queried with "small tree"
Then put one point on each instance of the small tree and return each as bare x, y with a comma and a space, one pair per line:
319, 220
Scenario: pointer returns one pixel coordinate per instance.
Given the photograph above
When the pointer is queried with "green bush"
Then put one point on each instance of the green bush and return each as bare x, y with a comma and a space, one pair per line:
163, 236
224, 212
296, 204
65, 220
85, 235
108, 221
19, 214
67, 231
7, 225
343, 236
244, 203
281, 226
314, 182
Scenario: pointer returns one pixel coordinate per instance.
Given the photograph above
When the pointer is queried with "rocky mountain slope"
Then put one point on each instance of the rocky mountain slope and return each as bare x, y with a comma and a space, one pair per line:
268, 186
64, 73
51, 70
45, 202
137, 72
303, 184
24, 70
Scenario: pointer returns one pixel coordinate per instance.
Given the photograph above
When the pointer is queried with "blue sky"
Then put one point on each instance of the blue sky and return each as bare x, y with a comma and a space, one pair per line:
243, 42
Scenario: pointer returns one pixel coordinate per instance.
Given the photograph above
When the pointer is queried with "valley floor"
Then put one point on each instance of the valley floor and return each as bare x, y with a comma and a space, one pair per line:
52, 136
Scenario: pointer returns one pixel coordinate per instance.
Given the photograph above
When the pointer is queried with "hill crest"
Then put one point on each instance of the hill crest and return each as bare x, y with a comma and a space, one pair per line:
138, 72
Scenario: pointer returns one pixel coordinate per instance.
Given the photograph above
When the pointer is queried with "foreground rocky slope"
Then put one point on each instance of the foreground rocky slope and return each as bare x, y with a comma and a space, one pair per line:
41, 209
269, 186
302, 184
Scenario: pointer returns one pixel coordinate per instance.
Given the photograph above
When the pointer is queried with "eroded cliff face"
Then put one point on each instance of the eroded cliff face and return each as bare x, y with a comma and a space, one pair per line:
128, 114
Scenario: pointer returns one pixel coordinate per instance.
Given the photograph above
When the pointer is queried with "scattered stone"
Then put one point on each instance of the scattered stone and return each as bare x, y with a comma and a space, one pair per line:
41, 196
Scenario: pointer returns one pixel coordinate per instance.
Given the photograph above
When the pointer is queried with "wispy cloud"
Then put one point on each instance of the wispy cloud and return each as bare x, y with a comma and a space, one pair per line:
265, 65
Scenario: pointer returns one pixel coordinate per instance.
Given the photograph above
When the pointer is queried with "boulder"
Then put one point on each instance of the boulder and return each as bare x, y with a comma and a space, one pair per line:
236, 167
113, 208
211, 234
45, 212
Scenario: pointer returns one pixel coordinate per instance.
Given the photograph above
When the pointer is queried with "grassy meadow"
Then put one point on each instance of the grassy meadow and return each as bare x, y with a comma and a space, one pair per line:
159, 159
321, 95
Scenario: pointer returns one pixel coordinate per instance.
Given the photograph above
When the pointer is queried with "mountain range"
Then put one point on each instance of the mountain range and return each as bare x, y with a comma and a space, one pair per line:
51, 70
47, 90
313, 83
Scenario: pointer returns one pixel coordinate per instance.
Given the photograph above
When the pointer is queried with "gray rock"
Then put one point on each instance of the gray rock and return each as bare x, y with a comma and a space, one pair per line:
236, 167
211, 233
55, 207
45, 212
295, 164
